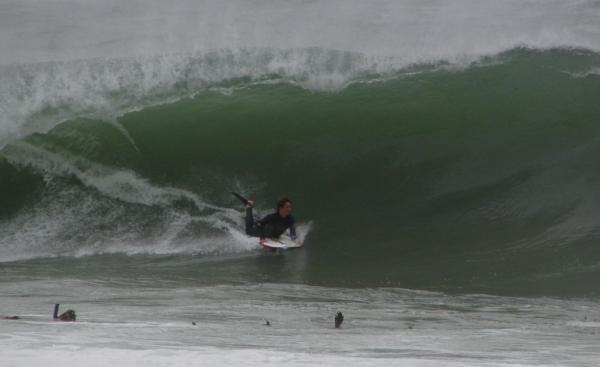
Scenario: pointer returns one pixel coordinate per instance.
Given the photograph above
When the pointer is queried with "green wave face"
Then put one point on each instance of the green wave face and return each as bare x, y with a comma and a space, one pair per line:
482, 178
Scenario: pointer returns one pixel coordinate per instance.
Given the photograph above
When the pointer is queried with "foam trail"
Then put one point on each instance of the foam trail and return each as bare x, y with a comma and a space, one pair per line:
124, 213
118, 184
61, 224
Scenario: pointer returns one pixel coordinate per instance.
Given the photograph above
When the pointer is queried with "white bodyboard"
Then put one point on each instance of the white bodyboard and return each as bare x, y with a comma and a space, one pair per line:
282, 243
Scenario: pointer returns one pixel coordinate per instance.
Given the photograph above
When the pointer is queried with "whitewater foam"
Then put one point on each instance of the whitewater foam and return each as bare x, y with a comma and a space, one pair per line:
127, 320
51, 228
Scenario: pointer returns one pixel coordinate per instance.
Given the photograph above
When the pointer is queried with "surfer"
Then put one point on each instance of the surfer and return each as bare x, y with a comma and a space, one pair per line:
68, 315
274, 224
339, 318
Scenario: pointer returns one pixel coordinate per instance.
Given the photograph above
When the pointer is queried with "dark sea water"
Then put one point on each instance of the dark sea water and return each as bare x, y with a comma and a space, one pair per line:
443, 164
479, 179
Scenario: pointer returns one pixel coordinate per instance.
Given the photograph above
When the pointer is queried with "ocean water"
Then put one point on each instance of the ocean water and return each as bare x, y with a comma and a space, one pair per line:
442, 158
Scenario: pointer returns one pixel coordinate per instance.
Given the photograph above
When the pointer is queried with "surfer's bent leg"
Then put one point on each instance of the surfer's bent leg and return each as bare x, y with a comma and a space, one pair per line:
251, 229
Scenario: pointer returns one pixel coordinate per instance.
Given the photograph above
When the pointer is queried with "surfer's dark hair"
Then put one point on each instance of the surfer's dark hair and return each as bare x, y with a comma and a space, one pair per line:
281, 203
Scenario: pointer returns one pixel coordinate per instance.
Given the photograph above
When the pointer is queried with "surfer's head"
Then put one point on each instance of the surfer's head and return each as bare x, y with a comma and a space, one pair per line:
284, 207
68, 315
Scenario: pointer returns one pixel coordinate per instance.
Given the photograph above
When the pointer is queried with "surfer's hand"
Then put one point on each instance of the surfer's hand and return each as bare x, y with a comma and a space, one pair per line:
249, 204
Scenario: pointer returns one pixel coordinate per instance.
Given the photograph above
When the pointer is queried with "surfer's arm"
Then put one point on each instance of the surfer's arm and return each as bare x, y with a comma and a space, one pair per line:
260, 224
293, 231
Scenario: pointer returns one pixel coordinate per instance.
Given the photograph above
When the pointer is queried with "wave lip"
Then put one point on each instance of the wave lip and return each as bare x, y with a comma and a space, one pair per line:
36, 97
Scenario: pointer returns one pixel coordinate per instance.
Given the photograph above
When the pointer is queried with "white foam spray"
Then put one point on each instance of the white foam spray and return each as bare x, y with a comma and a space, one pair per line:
116, 211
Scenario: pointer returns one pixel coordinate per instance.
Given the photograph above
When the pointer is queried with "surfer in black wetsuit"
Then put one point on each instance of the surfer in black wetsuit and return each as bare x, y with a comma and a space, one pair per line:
274, 224
68, 315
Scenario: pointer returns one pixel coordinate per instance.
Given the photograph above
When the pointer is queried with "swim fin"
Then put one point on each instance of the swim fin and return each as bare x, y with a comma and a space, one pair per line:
242, 199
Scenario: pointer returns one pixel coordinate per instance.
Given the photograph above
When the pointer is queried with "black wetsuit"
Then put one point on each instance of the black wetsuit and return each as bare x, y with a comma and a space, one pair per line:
271, 226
